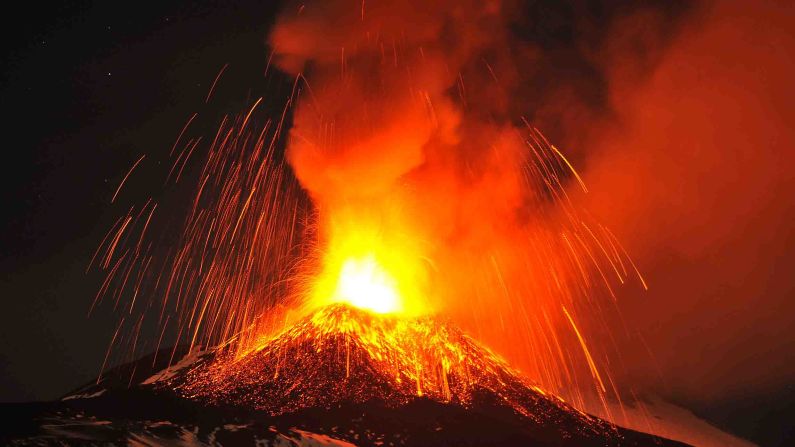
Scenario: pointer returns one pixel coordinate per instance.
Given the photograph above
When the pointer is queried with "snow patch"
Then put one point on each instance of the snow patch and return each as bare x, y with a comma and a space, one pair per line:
186, 361
656, 416
308, 439
85, 396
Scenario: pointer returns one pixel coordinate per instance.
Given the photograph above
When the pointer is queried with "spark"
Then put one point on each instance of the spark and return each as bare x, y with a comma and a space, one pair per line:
125, 178
212, 87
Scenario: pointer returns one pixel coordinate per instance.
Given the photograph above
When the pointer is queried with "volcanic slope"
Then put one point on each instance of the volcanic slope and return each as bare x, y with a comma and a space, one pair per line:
338, 377
341, 357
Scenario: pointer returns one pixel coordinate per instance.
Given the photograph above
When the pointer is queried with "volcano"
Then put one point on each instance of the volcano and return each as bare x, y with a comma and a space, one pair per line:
340, 376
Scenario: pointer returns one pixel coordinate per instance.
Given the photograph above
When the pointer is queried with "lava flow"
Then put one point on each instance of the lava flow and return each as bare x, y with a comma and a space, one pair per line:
342, 355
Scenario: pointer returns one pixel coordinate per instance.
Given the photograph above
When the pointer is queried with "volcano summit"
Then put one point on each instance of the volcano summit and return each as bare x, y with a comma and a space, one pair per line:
340, 376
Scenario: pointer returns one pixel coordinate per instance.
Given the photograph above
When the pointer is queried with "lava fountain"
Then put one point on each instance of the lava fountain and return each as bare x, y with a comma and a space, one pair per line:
369, 269
408, 188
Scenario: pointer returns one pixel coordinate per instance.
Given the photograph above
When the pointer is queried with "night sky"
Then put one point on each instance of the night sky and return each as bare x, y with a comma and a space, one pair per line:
86, 89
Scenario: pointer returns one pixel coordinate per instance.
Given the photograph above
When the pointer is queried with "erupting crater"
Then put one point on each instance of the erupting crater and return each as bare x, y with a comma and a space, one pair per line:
365, 284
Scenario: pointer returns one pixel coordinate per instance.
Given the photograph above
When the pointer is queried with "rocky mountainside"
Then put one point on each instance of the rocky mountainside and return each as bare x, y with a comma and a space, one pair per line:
339, 377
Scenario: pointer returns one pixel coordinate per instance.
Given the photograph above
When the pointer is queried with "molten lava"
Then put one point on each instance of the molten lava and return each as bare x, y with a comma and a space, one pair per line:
342, 354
